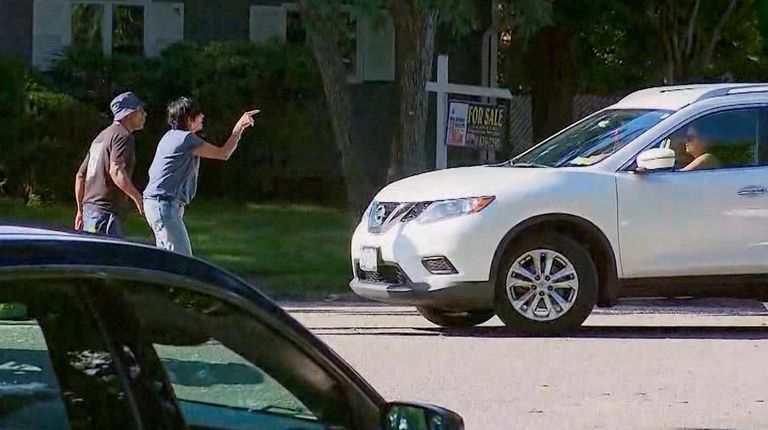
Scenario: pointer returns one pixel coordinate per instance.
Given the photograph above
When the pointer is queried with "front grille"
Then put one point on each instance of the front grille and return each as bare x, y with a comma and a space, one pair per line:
439, 266
387, 274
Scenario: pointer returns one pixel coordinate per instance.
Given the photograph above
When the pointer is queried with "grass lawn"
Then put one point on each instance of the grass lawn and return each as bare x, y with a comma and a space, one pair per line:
292, 251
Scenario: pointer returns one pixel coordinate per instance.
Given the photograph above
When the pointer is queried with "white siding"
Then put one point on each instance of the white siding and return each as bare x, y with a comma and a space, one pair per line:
51, 30
376, 48
163, 26
267, 22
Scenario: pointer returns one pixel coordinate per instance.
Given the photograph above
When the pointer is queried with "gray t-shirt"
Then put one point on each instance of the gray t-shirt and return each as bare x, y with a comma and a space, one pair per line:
174, 170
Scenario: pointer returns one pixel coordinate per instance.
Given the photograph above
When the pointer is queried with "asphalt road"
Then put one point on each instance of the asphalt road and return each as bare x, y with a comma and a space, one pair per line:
642, 365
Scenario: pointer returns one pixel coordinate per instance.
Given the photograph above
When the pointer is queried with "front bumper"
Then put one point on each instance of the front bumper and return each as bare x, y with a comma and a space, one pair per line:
459, 296
468, 243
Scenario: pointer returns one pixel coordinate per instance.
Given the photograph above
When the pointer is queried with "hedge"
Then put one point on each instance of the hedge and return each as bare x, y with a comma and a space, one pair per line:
288, 155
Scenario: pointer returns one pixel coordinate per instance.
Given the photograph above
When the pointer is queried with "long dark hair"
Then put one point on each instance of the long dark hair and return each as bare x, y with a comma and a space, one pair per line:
181, 111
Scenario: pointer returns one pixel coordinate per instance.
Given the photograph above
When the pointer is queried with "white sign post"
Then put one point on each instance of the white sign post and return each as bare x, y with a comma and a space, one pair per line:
443, 88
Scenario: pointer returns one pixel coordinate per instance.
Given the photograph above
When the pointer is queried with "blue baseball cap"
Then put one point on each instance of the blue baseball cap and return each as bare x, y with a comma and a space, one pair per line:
125, 104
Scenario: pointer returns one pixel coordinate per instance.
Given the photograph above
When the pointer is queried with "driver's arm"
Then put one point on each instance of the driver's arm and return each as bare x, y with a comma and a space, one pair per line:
705, 161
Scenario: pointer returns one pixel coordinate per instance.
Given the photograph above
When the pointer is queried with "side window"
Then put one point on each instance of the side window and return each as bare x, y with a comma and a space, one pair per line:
30, 396
722, 140
227, 369
56, 370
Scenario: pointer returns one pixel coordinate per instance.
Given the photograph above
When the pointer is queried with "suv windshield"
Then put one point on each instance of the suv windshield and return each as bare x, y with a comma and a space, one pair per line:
593, 139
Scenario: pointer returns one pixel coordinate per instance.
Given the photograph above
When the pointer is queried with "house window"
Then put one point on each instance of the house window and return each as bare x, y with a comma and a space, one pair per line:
366, 43
128, 30
121, 26
295, 33
117, 28
87, 20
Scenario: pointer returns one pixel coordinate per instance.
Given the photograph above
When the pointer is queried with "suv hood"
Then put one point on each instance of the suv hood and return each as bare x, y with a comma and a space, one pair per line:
465, 182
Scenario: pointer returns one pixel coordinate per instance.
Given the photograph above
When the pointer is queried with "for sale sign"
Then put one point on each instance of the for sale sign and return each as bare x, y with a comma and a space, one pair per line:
475, 125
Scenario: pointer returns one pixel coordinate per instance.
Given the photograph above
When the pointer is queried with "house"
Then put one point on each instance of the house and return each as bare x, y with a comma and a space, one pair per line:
37, 31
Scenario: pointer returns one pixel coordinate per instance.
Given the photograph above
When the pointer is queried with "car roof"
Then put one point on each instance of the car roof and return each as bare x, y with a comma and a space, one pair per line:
27, 251
676, 97
25, 246
22, 230
33, 252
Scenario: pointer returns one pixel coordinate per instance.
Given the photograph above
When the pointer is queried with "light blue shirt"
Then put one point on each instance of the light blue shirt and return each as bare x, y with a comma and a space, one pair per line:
174, 170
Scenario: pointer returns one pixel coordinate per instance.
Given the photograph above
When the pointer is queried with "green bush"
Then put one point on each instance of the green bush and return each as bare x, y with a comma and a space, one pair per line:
12, 84
92, 77
58, 132
289, 155
12, 98
46, 134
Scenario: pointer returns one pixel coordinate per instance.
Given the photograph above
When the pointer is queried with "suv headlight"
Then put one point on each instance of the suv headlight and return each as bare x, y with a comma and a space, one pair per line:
444, 209
367, 212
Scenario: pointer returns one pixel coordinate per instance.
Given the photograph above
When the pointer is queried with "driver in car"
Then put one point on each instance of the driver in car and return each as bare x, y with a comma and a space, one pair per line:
698, 144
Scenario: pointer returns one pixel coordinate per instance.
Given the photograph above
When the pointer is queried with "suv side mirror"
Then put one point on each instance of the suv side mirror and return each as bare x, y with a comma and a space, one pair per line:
417, 416
656, 159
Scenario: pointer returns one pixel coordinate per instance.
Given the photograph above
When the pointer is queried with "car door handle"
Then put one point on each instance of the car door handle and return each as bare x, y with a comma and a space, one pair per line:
752, 191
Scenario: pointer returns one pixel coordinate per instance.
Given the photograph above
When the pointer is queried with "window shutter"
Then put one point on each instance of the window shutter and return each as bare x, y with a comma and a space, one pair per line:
51, 31
267, 22
163, 26
376, 48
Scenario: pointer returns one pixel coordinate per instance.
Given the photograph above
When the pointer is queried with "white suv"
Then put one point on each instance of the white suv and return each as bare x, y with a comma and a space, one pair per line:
664, 193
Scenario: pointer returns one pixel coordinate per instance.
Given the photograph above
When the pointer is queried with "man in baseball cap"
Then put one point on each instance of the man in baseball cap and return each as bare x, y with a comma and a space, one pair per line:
125, 104
103, 183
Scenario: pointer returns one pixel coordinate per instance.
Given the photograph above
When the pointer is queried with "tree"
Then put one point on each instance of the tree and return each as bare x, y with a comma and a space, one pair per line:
541, 36
323, 30
554, 49
416, 23
663, 41
689, 33
415, 27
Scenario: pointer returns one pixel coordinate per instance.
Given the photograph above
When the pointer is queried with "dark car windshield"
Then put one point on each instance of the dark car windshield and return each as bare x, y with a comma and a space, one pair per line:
592, 140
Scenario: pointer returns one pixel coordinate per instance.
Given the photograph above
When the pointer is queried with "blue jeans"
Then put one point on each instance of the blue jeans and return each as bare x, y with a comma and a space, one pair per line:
98, 220
166, 219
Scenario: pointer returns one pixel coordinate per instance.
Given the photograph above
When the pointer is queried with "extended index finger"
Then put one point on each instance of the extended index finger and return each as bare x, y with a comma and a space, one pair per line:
253, 112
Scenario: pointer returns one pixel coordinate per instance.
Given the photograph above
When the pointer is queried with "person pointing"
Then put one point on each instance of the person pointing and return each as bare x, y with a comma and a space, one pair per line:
174, 171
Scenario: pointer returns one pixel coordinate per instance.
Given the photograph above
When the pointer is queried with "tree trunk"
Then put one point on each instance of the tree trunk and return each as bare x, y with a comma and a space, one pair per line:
552, 73
689, 61
414, 52
706, 56
322, 31
666, 26
691, 27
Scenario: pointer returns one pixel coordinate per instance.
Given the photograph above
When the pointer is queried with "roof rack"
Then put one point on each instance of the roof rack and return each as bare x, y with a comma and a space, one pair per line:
675, 89
739, 89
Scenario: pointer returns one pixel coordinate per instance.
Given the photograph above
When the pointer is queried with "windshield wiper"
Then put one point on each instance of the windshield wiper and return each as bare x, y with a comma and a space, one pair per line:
537, 165
271, 409
291, 412
510, 163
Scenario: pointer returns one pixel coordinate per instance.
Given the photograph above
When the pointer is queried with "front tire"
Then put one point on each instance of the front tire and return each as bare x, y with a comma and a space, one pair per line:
547, 284
455, 319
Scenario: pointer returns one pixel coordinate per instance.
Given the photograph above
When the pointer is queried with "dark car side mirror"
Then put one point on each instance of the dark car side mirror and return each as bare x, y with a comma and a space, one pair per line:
419, 416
